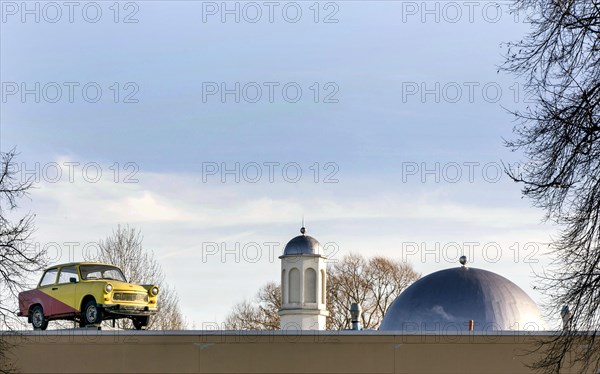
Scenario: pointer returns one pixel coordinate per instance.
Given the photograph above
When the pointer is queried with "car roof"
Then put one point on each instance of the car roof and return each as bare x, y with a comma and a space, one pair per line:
79, 263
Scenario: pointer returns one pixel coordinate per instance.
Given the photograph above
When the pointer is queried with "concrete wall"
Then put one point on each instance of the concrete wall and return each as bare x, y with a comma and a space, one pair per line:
91, 351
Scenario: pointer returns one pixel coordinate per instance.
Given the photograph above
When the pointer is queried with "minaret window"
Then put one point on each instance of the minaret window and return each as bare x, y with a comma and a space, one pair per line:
310, 286
294, 286
284, 291
323, 286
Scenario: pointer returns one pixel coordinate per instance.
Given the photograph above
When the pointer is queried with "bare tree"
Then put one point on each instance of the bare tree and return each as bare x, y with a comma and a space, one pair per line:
373, 283
17, 257
558, 133
124, 249
258, 314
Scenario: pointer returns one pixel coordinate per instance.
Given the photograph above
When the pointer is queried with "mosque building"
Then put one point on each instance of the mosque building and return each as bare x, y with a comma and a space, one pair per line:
447, 301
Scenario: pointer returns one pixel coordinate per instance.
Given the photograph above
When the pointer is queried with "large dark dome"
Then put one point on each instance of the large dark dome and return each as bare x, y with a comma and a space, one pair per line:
446, 300
302, 245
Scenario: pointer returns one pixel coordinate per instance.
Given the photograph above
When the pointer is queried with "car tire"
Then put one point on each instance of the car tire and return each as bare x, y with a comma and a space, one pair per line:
90, 314
140, 322
38, 319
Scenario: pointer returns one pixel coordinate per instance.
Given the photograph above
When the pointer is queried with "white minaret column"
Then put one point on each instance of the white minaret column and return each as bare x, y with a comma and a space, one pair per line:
303, 285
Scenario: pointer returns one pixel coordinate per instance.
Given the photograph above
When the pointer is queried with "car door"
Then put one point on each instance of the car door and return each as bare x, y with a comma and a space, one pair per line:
64, 291
46, 288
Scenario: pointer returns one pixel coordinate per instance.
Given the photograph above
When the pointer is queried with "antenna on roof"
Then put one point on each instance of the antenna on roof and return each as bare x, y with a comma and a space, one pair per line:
355, 311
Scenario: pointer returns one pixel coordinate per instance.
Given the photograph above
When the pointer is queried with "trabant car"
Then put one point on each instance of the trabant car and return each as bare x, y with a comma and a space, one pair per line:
88, 293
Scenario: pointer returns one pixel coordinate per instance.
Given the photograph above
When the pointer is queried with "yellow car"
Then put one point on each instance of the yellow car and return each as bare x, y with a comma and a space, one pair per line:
88, 292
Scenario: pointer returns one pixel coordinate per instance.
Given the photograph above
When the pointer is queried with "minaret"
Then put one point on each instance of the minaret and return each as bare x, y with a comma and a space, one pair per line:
303, 284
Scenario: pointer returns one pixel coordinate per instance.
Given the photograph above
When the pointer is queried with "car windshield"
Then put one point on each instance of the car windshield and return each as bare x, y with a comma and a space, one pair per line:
91, 272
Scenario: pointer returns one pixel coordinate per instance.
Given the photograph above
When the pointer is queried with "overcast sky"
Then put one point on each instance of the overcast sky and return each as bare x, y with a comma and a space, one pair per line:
215, 130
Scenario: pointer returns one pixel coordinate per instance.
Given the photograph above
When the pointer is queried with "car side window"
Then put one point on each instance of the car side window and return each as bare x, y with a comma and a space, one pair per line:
49, 277
66, 274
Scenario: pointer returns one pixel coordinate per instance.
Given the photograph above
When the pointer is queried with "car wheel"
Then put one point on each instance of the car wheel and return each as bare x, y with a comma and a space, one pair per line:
38, 319
91, 314
140, 322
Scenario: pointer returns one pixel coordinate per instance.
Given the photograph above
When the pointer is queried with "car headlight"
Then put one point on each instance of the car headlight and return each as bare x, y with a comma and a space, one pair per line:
108, 288
154, 291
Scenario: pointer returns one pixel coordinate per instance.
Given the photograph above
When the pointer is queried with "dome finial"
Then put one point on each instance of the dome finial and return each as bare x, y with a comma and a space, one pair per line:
302, 229
463, 260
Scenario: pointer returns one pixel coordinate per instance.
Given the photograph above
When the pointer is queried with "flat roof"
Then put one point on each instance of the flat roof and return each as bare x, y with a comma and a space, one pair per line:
110, 332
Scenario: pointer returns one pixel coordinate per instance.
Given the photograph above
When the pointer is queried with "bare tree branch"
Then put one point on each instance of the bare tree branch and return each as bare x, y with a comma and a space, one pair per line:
18, 258
558, 134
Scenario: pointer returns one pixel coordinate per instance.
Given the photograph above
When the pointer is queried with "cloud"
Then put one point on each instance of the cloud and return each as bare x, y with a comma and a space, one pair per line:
180, 198
439, 310
146, 206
